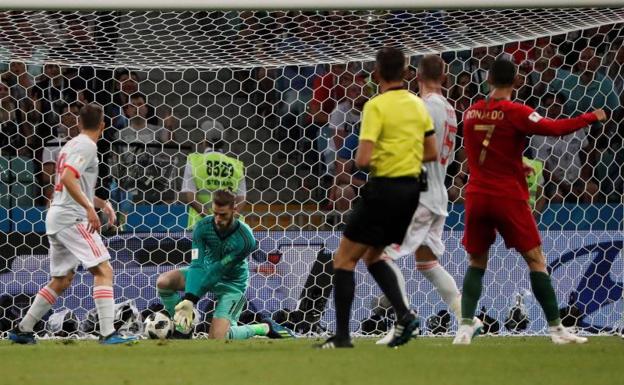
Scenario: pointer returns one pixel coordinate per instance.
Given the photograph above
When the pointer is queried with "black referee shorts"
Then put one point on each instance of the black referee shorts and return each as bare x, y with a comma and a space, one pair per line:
384, 211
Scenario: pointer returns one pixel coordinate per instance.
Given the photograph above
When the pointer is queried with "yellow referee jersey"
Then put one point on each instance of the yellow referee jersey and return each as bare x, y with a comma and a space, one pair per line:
397, 121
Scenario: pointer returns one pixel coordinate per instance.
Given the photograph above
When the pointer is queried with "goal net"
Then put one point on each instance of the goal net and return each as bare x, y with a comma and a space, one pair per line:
281, 92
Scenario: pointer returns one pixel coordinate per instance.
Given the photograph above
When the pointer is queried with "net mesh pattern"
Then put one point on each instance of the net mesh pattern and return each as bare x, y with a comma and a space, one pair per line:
179, 40
257, 87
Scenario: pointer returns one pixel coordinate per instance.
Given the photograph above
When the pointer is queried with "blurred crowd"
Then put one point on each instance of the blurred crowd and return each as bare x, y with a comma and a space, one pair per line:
313, 113
560, 76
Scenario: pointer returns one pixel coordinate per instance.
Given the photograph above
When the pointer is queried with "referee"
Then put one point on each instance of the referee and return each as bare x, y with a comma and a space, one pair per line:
396, 138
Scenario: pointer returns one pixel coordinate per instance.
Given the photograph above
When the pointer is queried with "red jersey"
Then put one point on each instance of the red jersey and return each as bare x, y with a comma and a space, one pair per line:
495, 138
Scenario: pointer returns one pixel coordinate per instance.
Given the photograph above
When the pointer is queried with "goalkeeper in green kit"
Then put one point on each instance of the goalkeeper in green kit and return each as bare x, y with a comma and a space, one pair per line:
221, 246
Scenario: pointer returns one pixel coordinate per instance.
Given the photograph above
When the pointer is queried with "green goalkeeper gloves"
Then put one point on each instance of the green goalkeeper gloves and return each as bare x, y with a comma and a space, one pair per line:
184, 315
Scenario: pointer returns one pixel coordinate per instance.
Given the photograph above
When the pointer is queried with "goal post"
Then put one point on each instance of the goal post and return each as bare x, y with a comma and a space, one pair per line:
281, 89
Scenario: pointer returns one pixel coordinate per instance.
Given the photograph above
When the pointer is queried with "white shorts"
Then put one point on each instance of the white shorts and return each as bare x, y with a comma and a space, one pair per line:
425, 230
73, 246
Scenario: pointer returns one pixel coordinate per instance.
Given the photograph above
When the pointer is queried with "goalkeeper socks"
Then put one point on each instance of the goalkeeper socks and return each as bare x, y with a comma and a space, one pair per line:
45, 299
244, 332
390, 280
444, 284
169, 299
344, 289
545, 295
105, 305
473, 284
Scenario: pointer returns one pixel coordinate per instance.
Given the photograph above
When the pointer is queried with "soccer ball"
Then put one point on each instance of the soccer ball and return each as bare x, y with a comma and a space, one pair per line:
158, 326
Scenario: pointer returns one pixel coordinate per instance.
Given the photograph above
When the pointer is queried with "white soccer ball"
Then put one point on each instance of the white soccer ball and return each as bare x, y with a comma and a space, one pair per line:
158, 326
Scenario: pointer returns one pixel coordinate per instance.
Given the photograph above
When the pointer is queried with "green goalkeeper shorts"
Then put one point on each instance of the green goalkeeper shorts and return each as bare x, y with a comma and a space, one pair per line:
230, 299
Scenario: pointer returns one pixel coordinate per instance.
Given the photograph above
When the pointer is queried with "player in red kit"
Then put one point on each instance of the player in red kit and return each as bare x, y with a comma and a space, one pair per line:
495, 135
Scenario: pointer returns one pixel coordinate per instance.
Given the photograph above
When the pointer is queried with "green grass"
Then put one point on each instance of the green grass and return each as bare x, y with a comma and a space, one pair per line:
512, 361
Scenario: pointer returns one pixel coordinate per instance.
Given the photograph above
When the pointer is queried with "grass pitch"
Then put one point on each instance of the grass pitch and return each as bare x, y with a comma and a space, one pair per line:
431, 361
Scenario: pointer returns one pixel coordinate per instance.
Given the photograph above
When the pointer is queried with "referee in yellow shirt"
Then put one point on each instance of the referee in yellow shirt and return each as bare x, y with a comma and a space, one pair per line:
396, 137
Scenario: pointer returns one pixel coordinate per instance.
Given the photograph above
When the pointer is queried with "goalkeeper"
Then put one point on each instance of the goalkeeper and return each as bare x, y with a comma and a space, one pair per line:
221, 245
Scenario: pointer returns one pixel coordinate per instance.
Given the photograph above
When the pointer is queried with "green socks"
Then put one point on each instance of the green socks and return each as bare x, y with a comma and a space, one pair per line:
471, 292
244, 332
169, 298
545, 295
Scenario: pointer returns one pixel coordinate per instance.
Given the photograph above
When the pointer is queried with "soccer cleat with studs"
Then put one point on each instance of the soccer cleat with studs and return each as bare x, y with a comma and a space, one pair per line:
404, 330
559, 335
335, 343
277, 331
115, 338
22, 338
467, 332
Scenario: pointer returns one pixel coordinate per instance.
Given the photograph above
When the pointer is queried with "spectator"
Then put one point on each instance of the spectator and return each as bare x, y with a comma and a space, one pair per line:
18, 80
138, 129
346, 120
142, 167
477, 66
63, 132
51, 92
20, 83
585, 88
346, 116
540, 80
10, 119
463, 93
327, 91
208, 169
459, 178
535, 182
616, 68
126, 83
562, 158
264, 96
412, 79
608, 158
548, 51
167, 120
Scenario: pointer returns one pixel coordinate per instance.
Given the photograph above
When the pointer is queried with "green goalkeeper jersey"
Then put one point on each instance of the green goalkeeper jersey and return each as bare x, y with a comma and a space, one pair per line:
219, 257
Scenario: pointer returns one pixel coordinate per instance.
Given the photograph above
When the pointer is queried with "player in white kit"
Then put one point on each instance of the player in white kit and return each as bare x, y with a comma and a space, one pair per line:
72, 227
424, 235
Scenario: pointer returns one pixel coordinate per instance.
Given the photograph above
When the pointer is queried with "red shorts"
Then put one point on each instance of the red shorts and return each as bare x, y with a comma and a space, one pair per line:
485, 214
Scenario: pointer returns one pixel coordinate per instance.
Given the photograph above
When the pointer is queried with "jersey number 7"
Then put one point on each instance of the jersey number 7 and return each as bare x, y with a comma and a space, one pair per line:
489, 128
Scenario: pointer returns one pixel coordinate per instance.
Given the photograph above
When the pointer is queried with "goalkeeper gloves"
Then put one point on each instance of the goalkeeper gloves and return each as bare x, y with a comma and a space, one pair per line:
184, 315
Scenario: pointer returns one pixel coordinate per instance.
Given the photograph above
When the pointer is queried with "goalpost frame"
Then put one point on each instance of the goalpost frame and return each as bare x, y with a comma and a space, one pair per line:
198, 5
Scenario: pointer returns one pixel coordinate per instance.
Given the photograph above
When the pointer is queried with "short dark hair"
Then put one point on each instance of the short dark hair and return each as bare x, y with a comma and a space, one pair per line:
73, 105
431, 67
137, 95
223, 197
124, 72
502, 73
390, 62
91, 116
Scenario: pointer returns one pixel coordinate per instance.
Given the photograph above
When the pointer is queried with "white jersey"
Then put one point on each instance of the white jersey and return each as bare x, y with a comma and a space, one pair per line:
80, 156
445, 124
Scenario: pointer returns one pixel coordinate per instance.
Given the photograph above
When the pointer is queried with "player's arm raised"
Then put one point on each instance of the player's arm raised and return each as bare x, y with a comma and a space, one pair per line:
69, 179
532, 123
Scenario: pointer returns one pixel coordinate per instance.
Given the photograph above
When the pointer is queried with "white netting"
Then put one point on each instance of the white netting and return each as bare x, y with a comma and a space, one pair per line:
254, 85
178, 40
